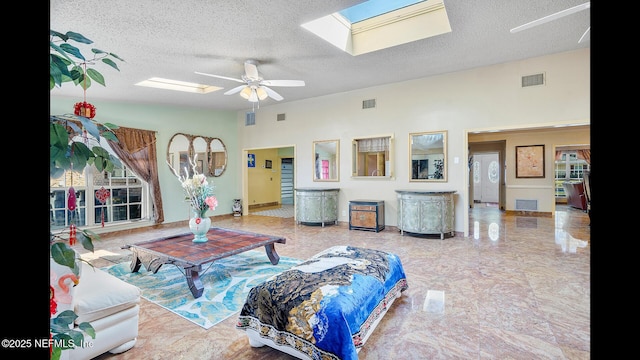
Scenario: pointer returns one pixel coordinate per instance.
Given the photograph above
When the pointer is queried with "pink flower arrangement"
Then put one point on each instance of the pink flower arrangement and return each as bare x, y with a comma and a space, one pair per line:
198, 191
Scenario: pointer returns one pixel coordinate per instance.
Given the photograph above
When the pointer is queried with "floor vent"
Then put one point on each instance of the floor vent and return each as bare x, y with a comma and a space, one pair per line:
522, 204
250, 119
369, 104
533, 80
280, 117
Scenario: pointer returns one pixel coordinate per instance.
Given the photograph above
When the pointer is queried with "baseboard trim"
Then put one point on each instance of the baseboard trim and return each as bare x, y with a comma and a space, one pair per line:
527, 213
258, 206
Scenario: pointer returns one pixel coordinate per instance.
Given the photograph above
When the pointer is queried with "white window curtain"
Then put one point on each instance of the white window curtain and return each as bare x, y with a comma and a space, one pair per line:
373, 145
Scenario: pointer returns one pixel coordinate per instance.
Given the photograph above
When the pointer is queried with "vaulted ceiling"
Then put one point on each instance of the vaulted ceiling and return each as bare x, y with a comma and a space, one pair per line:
173, 39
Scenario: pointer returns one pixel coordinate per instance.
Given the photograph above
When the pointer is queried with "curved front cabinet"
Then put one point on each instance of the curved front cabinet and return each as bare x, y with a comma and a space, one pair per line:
317, 206
426, 212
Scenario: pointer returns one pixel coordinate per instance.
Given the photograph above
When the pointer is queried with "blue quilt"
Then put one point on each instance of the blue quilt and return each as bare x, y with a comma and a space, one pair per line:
325, 306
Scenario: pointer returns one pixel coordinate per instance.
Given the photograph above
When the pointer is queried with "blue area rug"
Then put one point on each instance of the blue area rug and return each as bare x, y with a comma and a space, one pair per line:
226, 285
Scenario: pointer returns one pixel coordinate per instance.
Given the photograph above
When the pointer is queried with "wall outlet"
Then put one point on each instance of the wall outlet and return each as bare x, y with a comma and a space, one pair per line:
344, 212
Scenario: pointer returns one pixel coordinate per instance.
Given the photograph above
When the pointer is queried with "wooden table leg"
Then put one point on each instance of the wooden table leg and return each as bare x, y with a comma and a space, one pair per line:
135, 262
272, 254
193, 280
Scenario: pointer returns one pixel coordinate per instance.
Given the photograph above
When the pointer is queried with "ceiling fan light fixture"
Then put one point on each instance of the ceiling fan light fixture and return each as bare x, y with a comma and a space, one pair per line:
246, 93
255, 88
254, 96
262, 93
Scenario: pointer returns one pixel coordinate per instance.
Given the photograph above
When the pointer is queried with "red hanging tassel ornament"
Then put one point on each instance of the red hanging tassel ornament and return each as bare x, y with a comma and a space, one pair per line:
72, 234
53, 306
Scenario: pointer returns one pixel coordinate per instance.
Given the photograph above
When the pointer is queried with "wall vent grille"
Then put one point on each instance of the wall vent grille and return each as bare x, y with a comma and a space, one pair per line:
369, 104
250, 119
280, 117
533, 80
524, 204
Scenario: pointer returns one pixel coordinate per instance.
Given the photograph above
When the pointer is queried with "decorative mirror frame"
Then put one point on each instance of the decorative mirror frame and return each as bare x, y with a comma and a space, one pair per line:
208, 163
326, 152
432, 160
363, 159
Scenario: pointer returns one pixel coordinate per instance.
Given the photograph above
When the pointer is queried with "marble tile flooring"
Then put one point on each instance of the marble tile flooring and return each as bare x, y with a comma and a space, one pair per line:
517, 288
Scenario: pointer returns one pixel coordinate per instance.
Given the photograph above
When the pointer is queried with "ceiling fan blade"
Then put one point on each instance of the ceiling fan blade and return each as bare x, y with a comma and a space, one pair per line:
552, 17
585, 35
282, 82
220, 77
272, 94
236, 89
251, 70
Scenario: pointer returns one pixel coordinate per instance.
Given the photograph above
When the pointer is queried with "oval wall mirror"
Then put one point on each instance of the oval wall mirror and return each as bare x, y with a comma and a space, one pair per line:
427, 156
217, 157
200, 149
178, 153
326, 157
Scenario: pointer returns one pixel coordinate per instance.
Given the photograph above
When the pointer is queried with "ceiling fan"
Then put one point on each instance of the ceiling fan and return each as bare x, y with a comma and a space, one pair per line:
254, 87
554, 16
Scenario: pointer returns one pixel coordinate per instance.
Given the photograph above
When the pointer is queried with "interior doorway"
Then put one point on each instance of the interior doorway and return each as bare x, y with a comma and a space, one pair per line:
487, 173
286, 154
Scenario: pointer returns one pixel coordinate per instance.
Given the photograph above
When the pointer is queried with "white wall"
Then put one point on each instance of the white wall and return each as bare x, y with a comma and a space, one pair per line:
478, 99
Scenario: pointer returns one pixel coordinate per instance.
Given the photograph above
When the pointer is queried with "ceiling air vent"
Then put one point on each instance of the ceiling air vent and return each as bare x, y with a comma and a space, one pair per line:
369, 104
280, 117
533, 80
250, 119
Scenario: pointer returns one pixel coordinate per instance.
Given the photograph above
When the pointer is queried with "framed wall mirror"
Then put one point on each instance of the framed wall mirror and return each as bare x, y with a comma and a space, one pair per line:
200, 148
427, 156
372, 157
178, 153
217, 157
326, 157
212, 154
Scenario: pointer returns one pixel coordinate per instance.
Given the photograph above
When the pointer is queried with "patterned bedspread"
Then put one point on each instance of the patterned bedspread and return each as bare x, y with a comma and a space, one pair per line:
325, 306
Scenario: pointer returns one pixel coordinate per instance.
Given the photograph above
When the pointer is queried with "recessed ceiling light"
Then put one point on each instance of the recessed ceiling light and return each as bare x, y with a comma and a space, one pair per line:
167, 84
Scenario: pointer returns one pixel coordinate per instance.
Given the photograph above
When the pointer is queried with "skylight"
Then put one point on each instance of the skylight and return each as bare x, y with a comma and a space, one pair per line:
378, 24
168, 84
373, 8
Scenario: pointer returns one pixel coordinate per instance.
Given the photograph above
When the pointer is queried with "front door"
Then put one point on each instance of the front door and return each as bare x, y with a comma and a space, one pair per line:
486, 178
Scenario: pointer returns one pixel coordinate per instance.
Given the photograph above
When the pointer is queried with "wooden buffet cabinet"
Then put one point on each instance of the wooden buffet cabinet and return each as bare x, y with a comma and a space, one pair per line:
316, 206
426, 212
366, 215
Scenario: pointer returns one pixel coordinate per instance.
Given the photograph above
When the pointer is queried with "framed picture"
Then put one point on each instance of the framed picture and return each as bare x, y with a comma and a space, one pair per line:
530, 161
251, 160
268, 164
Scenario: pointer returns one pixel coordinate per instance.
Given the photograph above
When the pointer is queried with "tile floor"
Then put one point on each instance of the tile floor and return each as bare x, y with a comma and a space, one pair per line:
517, 288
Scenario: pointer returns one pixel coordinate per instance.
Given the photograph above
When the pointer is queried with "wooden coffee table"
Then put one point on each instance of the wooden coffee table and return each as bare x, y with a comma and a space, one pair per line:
181, 251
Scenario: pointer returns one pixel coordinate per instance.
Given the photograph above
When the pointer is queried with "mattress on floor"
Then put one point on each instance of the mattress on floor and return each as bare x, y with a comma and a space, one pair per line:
325, 307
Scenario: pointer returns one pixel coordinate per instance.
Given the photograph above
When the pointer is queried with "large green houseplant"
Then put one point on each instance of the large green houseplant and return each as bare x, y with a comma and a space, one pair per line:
71, 150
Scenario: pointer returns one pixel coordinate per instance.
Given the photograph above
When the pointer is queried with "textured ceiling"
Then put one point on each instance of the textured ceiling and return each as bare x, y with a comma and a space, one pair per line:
172, 39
